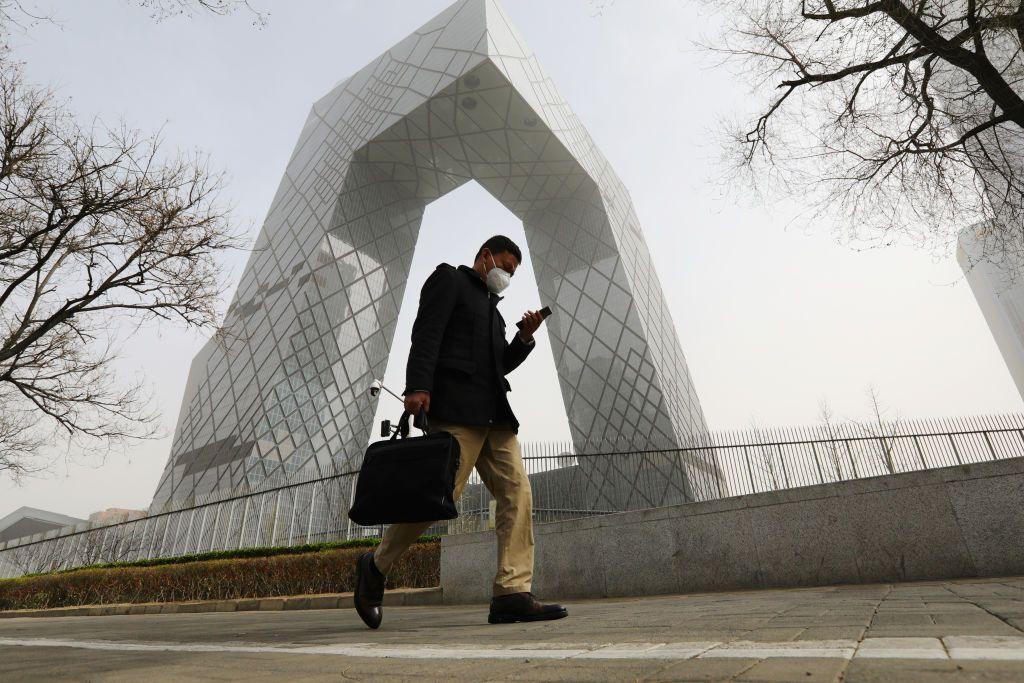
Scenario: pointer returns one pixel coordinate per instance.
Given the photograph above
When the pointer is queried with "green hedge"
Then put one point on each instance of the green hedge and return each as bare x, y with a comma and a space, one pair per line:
265, 551
241, 576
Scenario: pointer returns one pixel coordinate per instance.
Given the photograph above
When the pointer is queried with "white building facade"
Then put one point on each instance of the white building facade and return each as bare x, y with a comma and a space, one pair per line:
1000, 297
282, 396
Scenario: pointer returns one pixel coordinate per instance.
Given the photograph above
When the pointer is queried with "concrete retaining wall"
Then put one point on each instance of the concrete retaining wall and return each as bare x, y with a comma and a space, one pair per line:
937, 524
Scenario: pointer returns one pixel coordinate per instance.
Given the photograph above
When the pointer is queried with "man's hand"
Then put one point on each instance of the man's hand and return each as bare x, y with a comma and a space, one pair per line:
417, 400
531, 321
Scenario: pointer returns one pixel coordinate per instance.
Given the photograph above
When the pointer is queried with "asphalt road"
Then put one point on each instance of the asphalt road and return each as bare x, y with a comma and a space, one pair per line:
962, 630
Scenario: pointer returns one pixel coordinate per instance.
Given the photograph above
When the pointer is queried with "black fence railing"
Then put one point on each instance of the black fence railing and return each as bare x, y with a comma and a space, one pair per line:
602, 478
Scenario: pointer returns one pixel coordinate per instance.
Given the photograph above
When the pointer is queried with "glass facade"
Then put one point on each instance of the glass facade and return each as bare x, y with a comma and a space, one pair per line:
280, 396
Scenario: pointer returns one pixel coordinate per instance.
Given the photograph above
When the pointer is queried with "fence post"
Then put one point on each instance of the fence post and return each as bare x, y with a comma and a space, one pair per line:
291, 523
814, 451
188, 532
853, 461
129, 540
258, 540
216, 521
142, 543
241, 529
719, 474
163, 536
312, 506
351, 500
750, 470
990, 447
956, 451
920, 453
277, 510
202, 529
782, 461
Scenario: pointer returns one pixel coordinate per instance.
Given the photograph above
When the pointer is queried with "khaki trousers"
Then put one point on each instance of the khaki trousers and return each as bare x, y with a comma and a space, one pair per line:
496, 456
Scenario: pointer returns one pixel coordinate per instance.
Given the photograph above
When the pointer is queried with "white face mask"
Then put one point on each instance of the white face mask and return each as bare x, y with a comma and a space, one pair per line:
498, 278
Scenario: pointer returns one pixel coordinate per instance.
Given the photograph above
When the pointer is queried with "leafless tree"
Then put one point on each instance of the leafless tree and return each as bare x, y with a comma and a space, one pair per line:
898, 120
98, 229
116, 543
767, 456
883, 428
24, 14
163, 9
37, 558
827, 418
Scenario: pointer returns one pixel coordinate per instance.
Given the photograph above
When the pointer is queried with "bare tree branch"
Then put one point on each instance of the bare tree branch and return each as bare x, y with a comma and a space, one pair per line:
897, 120
97, 227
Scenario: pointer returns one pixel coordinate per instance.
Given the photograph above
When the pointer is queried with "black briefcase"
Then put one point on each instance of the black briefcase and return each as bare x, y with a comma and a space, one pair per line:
407, 479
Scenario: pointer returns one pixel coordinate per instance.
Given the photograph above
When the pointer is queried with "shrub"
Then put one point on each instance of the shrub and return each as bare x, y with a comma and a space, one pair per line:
324, 571
261, 551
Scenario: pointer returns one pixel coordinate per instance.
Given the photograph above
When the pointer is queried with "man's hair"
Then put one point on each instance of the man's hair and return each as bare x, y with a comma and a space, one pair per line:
498, 244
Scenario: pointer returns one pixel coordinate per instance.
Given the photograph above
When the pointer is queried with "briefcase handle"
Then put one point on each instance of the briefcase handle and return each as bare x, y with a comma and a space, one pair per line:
403, 424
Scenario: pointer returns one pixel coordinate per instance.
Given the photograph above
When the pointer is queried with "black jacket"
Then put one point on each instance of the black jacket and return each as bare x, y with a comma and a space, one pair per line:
459, 353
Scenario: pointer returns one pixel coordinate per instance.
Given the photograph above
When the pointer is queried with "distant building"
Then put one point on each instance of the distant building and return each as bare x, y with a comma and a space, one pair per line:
26, 521
1000, 297
115, 516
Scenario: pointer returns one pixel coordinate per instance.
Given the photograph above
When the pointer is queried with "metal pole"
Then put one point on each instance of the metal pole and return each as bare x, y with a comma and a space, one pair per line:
143, 546
990, 448
920, 453
163, 536
202, 529
814, 451
782, 461
231, 523
213, 531
291, 524
245, 515
312, 506
750, 471
258, 536
351, 500
956, 453
277, 510
188, 532
853, 461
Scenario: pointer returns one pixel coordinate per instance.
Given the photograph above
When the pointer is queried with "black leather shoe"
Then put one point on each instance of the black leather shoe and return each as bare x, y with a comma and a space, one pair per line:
369, 592
508, 609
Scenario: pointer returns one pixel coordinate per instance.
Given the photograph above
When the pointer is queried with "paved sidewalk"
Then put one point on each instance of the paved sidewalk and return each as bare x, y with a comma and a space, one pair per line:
962, 630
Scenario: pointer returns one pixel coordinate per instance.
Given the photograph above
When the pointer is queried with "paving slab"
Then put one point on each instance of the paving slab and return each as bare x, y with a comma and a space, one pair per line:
764, 635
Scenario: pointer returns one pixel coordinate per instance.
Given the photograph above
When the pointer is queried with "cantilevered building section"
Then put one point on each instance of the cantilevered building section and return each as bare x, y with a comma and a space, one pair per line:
282, 396
1000, 297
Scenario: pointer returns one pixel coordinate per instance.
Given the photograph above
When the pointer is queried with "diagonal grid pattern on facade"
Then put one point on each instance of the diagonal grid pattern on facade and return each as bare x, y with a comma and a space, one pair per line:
280, 396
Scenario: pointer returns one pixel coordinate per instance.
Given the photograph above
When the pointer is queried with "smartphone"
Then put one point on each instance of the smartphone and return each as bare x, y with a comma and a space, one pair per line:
544, 313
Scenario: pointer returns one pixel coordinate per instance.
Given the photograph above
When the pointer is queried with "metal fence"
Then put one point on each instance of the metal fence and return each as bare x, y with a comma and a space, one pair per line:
600, 479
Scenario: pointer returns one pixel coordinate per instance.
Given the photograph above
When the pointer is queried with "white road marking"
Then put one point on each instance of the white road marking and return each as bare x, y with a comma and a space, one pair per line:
985, 647
901, 648
954, 647
438, 652
647, 651
835, 649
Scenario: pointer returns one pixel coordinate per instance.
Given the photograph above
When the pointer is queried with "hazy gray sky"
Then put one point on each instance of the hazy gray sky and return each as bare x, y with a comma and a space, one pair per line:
772, 318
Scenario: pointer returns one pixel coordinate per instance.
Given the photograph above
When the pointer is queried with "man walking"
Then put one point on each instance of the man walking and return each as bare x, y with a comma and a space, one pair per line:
456, 374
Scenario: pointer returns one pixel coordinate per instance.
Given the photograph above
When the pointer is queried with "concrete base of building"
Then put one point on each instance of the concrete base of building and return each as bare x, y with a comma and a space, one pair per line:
402, 597
955, 522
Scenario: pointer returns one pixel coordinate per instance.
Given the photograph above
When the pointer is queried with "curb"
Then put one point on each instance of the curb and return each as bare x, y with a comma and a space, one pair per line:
401, 597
